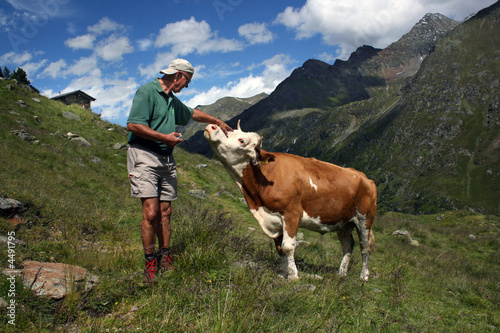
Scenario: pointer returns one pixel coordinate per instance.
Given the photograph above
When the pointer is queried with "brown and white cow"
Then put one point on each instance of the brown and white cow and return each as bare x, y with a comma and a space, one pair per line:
285, 192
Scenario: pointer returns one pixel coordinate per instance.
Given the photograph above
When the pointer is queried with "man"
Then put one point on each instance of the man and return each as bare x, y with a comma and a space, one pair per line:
152, 171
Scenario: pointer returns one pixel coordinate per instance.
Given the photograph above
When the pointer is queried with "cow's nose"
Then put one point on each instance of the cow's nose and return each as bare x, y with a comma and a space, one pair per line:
213, 127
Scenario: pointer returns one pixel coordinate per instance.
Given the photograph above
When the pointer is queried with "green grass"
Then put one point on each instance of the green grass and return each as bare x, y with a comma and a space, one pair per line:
225, 277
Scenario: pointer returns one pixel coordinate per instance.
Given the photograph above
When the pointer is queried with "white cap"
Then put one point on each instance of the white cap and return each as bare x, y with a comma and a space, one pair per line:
178, 65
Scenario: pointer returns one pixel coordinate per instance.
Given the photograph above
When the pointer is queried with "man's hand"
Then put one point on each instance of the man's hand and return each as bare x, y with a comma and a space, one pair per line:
143, 131
223, 126
202, 117
172, 139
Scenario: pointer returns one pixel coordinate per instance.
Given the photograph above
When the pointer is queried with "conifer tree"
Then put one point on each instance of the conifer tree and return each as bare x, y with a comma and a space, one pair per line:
20, 75
6, 73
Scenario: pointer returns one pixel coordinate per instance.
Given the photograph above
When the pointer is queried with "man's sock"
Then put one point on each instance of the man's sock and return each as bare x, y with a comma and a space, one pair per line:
164, 250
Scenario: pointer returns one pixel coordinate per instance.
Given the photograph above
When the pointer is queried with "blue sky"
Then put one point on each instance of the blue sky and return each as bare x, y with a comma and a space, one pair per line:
239, 48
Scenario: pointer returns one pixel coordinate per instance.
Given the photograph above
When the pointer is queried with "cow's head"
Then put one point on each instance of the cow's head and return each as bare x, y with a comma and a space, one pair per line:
237, 149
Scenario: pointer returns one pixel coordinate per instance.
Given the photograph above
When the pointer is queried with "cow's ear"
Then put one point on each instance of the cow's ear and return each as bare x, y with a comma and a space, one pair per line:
265, 157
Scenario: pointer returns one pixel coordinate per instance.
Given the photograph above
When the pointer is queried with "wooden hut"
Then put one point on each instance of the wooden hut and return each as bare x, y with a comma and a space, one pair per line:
75, 97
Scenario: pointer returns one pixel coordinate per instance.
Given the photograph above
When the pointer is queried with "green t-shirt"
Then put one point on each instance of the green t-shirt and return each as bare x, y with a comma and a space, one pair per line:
157, 110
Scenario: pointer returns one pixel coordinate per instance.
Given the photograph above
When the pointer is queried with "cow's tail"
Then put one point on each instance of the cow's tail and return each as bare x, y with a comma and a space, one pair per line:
371, 242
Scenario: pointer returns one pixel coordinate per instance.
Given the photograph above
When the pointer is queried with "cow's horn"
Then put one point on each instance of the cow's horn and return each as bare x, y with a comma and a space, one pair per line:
239, 128
259, 143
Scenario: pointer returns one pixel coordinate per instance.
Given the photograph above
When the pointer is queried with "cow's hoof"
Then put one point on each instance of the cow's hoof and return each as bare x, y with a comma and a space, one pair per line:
342, 274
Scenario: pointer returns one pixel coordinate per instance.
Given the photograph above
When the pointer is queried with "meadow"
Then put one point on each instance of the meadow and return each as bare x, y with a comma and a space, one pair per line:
225, 274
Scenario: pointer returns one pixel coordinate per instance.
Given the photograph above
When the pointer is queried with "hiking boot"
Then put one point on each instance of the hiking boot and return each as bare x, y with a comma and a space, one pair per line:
150, 272
165, 261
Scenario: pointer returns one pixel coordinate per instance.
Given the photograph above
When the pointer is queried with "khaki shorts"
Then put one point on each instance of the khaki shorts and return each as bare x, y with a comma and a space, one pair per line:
151, 175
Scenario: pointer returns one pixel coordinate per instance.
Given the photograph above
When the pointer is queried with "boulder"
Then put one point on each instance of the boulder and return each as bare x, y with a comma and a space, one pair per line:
71, 116
406, 234
25, 136
198, 193
10, 207
55, 280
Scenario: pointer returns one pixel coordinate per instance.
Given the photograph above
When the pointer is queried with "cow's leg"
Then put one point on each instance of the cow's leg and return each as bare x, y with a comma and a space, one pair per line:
347, 242
364, 235
288, 248
278, 242
286, 252
290, 227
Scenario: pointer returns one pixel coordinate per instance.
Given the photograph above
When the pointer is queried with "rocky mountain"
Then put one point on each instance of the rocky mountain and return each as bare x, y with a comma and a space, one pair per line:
420, 117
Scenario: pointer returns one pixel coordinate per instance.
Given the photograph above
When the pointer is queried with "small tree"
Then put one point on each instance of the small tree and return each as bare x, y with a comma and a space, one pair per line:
6, 73
20, 75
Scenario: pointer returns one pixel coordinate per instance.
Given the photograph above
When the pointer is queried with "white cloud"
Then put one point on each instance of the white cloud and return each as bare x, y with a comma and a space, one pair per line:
190, 36
113, 96
351, 24
105, 25
161, 61
256, 33
455, 9
81, 42
31, 68
328, 57
15, 58
6, 21
41, 8
71, 28
275, 71
24, 60
113, 48
185, 37
145, 44
54, 69
82, 66
24, 5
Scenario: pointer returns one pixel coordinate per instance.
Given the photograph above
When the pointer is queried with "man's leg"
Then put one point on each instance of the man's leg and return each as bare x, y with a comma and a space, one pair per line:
150, 220
163, 232
163, 228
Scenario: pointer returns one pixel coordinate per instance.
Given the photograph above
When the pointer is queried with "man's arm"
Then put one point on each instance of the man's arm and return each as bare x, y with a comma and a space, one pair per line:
203, 117
146, 132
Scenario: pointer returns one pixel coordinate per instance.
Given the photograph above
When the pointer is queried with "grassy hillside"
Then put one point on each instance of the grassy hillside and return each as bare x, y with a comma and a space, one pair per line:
225, 273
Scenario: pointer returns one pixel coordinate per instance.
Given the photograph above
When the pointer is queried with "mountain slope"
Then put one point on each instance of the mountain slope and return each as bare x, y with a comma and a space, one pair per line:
442, 138
367, 73
318, 87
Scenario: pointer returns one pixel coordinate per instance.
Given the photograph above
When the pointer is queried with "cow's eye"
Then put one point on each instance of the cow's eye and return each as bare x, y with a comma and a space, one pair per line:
241, 141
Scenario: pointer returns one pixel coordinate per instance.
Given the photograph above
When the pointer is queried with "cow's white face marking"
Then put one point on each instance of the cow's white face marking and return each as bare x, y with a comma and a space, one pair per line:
314, 186
235, 150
